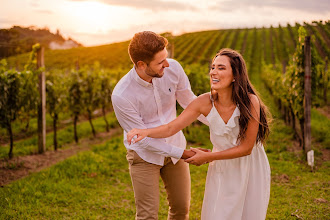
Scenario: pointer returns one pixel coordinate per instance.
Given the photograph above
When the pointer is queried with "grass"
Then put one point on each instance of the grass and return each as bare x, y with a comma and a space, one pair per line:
320, 129
85, 186
64, 136
96, 185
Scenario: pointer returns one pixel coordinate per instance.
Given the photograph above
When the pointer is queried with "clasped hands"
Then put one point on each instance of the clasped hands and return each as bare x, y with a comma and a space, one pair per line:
195, 156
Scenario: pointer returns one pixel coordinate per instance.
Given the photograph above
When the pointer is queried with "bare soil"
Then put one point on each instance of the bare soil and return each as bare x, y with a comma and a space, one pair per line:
22, 166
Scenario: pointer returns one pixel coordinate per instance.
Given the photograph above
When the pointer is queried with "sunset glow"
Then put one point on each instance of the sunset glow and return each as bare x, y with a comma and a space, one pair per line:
96, 22
92, 17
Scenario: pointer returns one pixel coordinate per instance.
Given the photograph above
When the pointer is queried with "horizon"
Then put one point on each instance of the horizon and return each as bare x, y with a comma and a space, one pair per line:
99, 22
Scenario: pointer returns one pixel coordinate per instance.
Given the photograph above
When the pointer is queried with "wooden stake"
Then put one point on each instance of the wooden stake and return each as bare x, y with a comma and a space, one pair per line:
308, 95
42, 105
325, 88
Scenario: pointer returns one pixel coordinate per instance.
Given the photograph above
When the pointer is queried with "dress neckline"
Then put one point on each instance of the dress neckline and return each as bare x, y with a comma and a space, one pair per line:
232, 115
231, 122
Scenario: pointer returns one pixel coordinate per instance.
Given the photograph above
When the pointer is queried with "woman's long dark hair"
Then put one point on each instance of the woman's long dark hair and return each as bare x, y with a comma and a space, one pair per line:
242, 88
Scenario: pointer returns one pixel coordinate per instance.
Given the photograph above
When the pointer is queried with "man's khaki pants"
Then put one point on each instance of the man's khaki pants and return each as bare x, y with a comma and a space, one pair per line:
145, 180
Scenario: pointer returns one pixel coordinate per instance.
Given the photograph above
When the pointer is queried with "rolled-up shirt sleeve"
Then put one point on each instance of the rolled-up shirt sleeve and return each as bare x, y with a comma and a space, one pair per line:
129, 118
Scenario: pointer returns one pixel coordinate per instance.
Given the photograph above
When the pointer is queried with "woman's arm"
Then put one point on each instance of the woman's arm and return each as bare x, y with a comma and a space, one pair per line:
245, 147
189, 115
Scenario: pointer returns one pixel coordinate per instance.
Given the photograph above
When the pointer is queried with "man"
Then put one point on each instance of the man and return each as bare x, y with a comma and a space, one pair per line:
144, 98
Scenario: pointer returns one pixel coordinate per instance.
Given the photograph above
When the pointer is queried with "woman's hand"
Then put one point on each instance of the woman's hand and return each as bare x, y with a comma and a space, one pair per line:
139, 133
201, 157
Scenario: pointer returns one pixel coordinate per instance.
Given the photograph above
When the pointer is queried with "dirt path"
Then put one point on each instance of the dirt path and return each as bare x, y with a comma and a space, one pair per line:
22, 166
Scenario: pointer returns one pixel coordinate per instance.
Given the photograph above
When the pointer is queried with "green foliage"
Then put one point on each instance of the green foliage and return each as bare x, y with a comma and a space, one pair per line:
79, 92
10, 82
198, 77
289, 88
75, 91
56, 89
90, 94
30, 87
107, 84
295, 77
198, 134
10, 100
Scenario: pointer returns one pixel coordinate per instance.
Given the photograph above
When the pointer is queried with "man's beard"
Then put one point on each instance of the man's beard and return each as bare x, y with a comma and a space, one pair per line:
152, 73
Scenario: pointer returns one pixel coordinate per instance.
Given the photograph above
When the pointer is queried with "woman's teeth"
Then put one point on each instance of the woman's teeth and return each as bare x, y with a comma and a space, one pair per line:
215, 80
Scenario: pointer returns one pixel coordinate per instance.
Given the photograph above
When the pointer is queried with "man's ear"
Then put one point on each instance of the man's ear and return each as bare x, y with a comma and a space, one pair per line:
141, 65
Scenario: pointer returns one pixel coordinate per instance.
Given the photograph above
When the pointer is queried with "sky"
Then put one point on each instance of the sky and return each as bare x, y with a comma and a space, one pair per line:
98, 22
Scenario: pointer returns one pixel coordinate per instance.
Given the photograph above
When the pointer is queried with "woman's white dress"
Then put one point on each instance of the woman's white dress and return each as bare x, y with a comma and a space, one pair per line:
235, 188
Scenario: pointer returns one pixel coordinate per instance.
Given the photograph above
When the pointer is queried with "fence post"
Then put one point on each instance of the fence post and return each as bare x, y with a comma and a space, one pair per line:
308, 100
325, 88
42, 104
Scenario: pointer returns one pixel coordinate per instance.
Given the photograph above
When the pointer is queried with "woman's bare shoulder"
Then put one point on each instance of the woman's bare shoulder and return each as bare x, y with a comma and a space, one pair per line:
204, 103
204, 98
254, 100
255, 103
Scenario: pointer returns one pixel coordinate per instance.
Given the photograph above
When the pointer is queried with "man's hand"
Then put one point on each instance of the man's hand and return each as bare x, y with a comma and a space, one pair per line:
187, 154
204, 149
201, 157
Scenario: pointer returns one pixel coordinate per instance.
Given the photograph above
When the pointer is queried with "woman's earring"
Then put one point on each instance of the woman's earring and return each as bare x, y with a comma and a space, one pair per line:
233, 80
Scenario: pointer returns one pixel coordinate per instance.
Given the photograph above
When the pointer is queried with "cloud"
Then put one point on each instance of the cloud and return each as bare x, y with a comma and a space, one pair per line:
36, 7
123, 34
44, 11
316, 6
154, 5
34, 3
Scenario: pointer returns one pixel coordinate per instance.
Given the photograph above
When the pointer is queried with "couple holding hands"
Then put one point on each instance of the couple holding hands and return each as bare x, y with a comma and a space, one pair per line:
144, 101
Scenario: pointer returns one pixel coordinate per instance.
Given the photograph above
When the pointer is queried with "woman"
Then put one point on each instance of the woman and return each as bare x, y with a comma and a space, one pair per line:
238, 179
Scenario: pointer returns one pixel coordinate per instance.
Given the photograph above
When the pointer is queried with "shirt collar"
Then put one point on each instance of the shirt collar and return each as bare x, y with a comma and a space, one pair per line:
139, 80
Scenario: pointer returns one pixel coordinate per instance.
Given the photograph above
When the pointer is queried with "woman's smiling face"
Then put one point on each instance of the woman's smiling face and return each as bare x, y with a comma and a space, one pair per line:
221, 74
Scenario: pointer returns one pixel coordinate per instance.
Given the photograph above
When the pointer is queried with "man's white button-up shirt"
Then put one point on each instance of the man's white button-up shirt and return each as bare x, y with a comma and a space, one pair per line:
140, 104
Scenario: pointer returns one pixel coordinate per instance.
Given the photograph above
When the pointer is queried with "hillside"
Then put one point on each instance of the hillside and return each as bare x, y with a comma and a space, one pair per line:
275, 45
17, 40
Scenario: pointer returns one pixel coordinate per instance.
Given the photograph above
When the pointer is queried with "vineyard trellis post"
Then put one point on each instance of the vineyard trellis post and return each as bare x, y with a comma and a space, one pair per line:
308, 100
325, 87
42, 104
